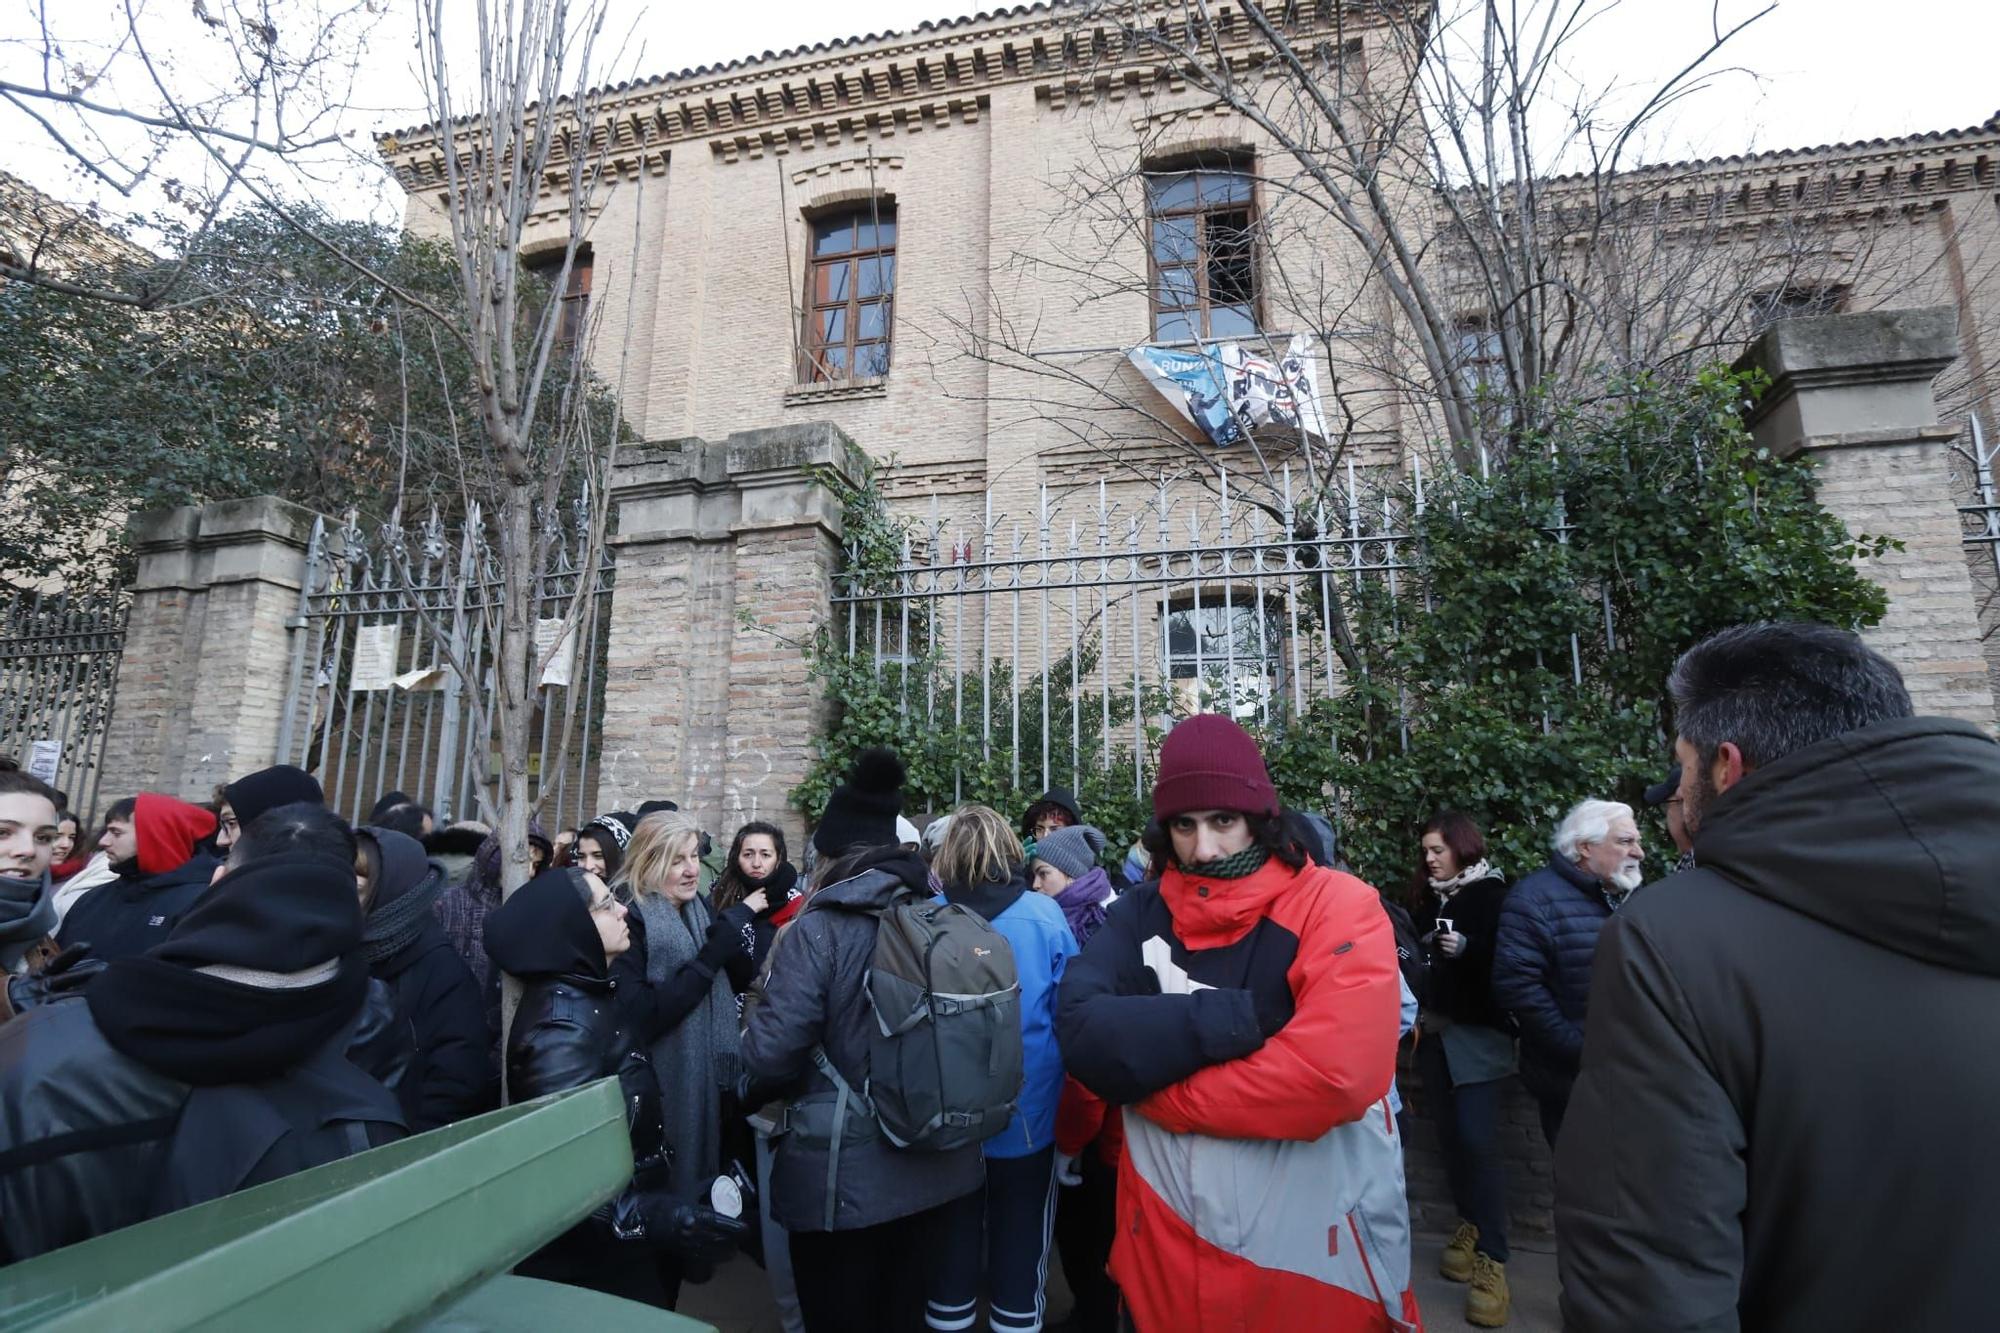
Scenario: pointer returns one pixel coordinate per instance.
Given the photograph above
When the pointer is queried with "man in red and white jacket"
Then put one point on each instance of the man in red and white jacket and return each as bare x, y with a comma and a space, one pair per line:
1244, 1011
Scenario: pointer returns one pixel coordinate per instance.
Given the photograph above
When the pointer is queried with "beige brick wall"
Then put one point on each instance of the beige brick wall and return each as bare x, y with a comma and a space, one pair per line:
1931, 630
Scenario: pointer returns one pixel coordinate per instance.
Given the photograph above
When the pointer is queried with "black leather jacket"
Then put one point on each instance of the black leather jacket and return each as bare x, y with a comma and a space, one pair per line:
566, 1033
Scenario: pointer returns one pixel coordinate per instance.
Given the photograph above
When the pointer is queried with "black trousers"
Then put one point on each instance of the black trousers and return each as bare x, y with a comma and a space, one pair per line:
1086, 1221
1468, 1126
996, 1244
868, 1280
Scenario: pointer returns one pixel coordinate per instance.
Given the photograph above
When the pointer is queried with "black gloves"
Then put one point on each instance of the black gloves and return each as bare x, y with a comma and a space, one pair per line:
694, 1231
65, 974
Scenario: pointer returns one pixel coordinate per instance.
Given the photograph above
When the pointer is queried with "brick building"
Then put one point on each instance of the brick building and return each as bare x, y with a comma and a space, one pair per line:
898, 234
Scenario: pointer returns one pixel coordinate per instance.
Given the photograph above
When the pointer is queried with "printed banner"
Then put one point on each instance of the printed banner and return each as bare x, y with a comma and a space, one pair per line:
374, 666
1226, 389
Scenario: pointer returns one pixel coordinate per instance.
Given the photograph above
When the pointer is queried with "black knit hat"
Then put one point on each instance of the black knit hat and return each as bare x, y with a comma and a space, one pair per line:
862, 810
269, 788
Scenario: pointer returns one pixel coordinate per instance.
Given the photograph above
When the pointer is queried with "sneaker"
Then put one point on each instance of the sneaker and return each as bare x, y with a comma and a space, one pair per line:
1455, 1265
1486, 1300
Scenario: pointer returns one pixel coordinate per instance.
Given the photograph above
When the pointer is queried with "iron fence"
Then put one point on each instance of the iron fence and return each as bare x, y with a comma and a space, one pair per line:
1976, 459
393, 657
1062, 638
59, 656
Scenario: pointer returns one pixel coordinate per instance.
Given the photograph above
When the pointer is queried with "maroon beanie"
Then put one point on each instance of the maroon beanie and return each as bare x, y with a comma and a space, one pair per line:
1210, 763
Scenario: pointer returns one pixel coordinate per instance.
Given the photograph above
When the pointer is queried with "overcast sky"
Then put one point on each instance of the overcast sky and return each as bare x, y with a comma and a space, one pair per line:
1824, 70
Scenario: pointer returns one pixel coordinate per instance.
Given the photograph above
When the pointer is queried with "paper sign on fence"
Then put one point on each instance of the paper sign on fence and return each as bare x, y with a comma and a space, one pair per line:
560, 666
374, 665
44, 758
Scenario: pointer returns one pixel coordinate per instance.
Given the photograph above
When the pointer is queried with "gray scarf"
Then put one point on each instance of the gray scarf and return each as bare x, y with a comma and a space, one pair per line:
698, 1059
27, 913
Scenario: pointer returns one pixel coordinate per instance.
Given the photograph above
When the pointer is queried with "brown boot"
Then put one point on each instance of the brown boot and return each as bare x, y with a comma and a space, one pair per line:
1455, 1265
1486, 1300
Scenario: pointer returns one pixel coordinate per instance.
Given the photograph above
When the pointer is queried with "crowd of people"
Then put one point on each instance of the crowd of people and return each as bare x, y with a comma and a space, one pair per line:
902, 1072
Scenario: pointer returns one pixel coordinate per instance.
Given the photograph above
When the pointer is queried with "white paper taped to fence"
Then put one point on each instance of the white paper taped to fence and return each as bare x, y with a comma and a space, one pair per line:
560, 666
44, 758
1225, 389
374, 658
425, 679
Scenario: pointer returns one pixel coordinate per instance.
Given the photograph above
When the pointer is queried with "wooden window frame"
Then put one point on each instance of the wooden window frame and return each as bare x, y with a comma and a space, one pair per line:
814, 367
1200, 314
575, 296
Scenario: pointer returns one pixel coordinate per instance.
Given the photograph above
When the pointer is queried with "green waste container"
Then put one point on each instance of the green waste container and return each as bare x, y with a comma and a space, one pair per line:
415, 1235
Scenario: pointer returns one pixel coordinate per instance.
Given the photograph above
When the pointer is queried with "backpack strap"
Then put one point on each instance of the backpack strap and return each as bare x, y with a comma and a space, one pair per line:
846, 1094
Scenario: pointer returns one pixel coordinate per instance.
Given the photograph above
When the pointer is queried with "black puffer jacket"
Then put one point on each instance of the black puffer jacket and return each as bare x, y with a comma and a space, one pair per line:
1547, 937
1788, 1091
811, 996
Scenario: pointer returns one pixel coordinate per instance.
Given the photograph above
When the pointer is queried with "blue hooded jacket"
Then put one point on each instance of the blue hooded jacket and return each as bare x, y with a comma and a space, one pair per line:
1043, 945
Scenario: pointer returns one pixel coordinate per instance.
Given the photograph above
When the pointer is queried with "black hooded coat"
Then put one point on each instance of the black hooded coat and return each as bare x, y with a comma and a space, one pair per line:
567, 1030
189, 1073
1788, 1081
450, 1074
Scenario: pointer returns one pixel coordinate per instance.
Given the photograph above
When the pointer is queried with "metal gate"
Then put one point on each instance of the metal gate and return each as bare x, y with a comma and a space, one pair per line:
392, 667
59, 657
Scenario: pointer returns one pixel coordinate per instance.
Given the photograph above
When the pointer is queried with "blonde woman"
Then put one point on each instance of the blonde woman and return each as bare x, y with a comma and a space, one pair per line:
687, 1007
997, 1243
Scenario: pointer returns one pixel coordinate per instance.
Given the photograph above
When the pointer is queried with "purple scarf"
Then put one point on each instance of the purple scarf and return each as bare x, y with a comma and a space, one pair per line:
1085, 902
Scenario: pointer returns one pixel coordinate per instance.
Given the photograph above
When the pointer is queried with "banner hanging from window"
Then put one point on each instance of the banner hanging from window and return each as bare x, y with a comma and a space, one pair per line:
1227, 388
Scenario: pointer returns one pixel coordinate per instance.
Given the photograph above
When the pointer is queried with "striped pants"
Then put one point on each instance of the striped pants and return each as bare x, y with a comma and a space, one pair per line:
995, 1244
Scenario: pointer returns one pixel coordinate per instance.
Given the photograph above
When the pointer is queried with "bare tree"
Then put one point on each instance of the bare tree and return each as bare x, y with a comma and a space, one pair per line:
255, 103
1408, 222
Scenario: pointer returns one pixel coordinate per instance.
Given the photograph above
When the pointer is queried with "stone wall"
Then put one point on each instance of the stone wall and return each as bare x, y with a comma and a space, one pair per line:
1855, 394
202, 683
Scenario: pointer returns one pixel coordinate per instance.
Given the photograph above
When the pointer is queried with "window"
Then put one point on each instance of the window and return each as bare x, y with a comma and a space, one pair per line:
1794, 302
1481, 367
1224, 655
575, 295
1204, 259
850, 296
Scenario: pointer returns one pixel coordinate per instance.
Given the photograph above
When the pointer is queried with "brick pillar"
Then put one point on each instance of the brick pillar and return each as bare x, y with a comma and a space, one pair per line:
207, 653
1854, 392
725, 559
787, 550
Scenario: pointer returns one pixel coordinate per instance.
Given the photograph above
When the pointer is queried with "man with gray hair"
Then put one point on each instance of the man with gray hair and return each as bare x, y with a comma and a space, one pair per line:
1788, 1091
1547, 938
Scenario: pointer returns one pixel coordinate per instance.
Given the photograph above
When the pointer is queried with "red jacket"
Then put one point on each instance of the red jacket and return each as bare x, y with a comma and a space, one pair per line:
1262, 1183
1084, 1118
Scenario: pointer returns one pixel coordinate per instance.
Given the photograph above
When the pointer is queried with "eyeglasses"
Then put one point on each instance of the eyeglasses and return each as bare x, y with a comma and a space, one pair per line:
606, 905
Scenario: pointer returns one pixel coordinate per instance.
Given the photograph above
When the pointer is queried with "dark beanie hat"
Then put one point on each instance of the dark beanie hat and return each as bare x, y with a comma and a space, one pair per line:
1072, 850
862, 810
389, 801
1210, 763
269, 788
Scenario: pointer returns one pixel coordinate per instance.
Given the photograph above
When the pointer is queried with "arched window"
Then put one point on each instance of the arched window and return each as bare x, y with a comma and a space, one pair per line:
850, 295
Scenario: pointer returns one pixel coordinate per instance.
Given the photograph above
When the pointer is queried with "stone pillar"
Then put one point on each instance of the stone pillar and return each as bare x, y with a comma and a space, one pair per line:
725, 561
202, 682
1854, 392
